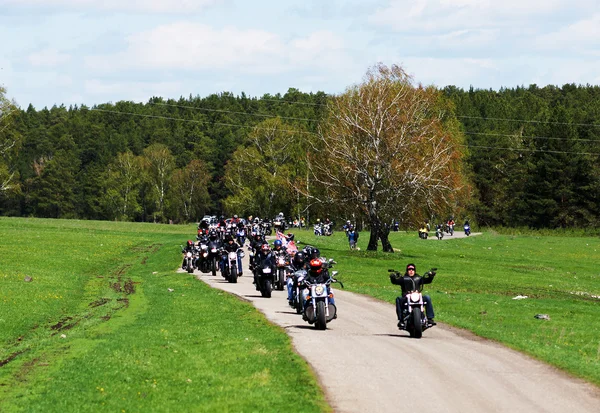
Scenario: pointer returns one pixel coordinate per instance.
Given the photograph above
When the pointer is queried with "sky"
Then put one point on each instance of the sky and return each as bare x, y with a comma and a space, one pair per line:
75, 52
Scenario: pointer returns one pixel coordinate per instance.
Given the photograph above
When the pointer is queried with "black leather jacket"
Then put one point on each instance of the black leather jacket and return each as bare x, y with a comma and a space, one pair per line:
408, 283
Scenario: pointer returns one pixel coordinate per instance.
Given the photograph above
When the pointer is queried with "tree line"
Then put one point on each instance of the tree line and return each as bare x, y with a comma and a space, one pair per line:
513, 157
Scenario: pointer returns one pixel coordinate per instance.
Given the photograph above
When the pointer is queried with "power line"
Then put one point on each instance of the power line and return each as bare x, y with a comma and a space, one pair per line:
198, 121
232, 112
531, 137
312, 133
530, 150
530, 121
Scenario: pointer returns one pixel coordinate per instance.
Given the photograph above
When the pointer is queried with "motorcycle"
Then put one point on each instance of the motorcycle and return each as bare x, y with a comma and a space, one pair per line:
414, 319
467, 229
231, 271
265, 279
318, 230
450, 229
317, 308
202, 262
282, 262
423, 233
439, 233
266, 228
213, 256
189, 262
241, 236
297, 281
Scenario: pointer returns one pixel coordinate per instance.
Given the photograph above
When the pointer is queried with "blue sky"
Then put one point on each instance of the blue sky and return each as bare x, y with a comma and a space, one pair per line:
91, 52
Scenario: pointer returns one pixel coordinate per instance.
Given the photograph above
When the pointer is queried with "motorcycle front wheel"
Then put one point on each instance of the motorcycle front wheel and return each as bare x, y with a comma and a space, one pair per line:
321, 322
416, 330
267, 288
233, 273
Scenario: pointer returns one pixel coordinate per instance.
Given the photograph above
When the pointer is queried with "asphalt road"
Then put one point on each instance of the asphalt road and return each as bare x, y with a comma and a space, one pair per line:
371, 366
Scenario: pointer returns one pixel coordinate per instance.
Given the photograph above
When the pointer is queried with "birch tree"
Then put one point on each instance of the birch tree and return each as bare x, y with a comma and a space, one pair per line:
259, 173
9, 145
190, 190
159, 165
388, 149
122, 183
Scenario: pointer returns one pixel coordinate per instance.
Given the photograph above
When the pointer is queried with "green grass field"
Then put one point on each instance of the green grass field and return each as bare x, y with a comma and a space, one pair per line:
97, 328
479, 277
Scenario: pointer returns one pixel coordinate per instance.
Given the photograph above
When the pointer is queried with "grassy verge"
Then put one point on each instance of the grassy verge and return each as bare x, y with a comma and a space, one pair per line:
478, 280
97, 328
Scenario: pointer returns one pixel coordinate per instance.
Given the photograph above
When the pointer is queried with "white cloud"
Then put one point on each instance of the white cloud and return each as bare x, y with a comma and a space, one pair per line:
583, 35
199, 47
443, 15
48, 57
148, 6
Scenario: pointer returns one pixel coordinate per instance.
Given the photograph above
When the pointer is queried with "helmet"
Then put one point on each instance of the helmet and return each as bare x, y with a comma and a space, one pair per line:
264, 247
316, 266
315, 253
190, 243
299, 259
277, 243
212, 234
235, 216
228, 238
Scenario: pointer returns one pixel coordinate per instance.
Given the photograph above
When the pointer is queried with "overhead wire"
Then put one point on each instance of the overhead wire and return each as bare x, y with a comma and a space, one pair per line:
232, 112
312, 133
197, 121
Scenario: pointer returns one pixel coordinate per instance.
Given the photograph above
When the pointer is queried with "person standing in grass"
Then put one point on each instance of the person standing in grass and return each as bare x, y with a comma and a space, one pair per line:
352, 237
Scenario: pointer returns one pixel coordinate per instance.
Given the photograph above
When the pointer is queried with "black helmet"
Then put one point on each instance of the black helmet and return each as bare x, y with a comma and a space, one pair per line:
299, 259
315, 253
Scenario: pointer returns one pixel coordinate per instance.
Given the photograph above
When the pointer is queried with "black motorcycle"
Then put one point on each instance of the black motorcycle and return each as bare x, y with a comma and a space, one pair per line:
264, 272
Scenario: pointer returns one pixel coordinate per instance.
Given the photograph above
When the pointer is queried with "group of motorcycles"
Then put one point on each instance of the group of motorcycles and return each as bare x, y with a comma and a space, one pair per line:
208, 255
277, 269
323, 229
307, 281
440, 230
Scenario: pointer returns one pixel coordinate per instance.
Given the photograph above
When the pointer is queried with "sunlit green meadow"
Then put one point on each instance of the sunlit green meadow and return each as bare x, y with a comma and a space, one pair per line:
97, 329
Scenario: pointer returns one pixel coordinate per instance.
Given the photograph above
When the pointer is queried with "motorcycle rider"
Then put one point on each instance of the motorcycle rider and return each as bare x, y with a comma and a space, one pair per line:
318, 273
408, 282
262, 259
189, 247
298, 263
255, 245
231, 246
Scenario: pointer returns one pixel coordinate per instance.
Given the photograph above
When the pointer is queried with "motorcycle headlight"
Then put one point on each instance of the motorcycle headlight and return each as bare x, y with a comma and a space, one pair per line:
189, 255
319, 289
415, 297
